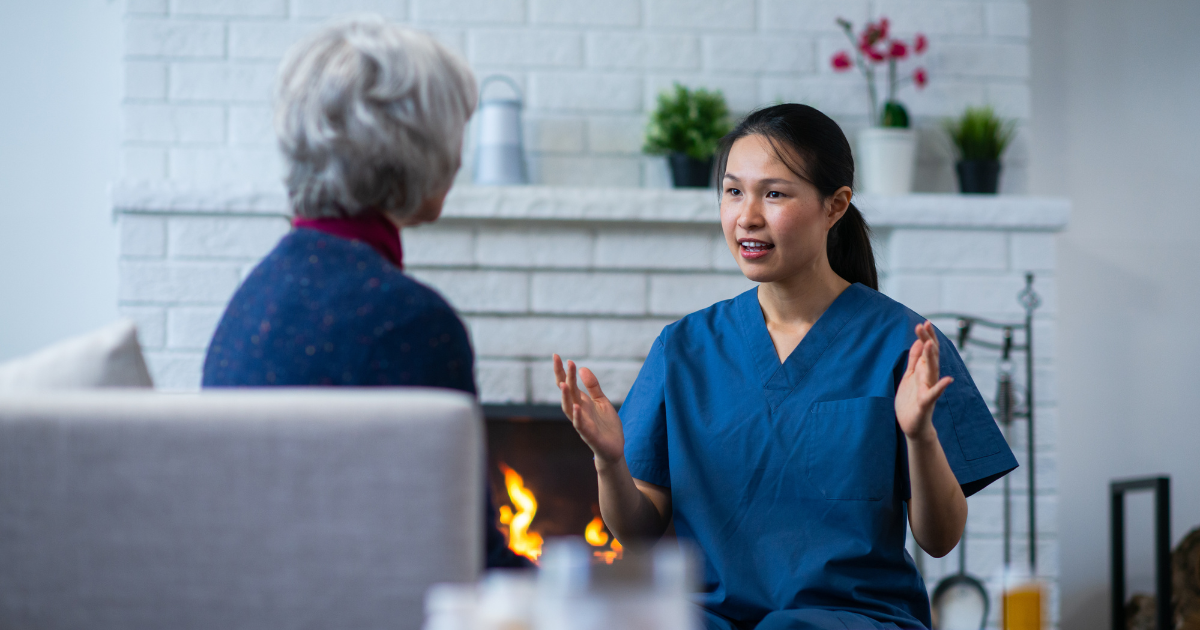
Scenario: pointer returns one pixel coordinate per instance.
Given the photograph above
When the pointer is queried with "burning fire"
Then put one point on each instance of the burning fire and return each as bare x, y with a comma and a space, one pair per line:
529, 544
522, 541
596, 536
594, 533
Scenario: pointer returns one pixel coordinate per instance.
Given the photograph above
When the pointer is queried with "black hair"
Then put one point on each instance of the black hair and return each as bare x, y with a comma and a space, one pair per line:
813, 147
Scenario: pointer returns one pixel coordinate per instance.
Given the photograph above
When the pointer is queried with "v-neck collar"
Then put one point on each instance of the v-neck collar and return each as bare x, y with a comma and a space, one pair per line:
779, 379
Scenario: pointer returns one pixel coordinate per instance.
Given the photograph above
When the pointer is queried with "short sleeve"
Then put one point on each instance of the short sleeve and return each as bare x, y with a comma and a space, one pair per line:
644, 420
975, 448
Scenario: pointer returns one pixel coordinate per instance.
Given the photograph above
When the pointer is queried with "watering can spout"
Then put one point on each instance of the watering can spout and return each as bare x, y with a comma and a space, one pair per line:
499, 154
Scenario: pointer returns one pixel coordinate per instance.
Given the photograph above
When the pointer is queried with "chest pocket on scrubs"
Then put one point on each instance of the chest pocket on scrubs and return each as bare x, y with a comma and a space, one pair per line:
851, 448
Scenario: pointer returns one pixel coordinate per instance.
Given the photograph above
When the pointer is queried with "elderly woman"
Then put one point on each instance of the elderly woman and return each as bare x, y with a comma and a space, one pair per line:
370, 118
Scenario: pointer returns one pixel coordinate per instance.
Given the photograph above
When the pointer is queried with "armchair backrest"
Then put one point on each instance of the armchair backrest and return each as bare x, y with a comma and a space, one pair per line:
264, 509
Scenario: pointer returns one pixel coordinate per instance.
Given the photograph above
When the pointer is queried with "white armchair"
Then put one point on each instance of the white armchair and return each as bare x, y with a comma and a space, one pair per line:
281, 508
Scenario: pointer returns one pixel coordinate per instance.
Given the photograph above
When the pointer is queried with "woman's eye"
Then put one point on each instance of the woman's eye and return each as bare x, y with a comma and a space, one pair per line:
733, 191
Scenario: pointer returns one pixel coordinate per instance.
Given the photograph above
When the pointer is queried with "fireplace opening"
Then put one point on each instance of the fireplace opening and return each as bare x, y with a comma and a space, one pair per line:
543, 480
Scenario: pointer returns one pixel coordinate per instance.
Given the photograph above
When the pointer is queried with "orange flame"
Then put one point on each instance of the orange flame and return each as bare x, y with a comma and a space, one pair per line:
594, 533
596, 536
522, 541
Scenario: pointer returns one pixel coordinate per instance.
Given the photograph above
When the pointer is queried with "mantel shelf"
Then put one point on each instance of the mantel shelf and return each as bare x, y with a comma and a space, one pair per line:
623, 205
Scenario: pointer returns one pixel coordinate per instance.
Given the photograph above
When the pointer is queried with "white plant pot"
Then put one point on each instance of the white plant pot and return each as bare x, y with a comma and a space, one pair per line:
886, 160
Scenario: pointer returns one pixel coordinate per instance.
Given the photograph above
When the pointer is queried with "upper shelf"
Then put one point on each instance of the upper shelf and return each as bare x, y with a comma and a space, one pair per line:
650, 205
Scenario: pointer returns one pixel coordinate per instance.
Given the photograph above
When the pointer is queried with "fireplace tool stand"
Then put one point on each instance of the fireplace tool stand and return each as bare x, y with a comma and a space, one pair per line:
1006, 407
960, 599
1161, 487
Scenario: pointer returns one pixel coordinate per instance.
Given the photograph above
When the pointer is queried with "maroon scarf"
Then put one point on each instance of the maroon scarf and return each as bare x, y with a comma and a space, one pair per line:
374, 229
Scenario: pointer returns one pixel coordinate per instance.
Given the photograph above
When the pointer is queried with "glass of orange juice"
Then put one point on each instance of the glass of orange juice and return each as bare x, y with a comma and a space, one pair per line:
1023, 600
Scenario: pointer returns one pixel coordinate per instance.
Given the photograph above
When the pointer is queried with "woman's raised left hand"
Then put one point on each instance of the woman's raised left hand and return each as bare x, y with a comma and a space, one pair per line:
920, 387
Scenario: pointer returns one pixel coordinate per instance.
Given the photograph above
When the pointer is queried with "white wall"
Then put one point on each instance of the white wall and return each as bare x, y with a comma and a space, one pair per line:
59, 149
199, 74
1116, 86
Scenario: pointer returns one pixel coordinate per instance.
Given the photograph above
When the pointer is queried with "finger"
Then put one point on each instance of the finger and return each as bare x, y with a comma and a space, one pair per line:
572, 382
585, 426
932, 334
938, 389
934, 350
914, 354
560, 374
566, 398
930, 372
575, 415
591, 383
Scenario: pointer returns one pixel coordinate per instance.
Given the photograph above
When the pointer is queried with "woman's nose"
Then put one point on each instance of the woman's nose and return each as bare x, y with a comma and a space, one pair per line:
751, 216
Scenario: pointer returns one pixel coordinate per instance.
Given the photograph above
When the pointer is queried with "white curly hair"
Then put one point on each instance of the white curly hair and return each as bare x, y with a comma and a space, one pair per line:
370, 116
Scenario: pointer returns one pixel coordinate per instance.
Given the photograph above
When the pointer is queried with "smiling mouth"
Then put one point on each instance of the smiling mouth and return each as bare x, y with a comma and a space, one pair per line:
752, 246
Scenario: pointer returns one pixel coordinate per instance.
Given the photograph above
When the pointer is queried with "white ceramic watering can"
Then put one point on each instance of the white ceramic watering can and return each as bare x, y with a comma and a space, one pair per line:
499, 155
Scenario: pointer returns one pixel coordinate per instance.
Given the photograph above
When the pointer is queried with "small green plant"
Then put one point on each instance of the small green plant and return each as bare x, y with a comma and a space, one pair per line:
687, 121
979, 134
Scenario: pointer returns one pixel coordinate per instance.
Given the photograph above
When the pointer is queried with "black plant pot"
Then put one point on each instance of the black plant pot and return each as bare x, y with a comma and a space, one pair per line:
978, 176
688, 172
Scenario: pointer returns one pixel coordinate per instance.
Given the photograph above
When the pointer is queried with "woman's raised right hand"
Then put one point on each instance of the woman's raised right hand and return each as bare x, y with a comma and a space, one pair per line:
591, 413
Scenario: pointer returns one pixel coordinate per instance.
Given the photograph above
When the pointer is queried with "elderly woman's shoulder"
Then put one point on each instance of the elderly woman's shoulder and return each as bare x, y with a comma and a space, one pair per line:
342, 274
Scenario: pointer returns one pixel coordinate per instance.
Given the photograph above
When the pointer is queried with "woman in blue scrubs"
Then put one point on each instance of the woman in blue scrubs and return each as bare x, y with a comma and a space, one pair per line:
792, 432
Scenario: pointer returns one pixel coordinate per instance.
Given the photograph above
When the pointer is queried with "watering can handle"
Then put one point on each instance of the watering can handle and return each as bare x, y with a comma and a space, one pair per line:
483, 85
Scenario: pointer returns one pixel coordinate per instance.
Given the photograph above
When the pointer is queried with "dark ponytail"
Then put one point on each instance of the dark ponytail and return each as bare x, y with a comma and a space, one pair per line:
816, 150
848, 246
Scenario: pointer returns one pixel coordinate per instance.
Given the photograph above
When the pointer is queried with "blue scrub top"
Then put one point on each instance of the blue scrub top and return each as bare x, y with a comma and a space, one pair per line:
791, 479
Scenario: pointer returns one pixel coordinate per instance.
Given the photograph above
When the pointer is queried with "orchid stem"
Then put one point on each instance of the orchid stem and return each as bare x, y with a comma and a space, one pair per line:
868, 73
892, 79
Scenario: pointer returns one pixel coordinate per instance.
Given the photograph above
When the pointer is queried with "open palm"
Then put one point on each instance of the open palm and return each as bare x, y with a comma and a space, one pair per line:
591, 413
921, 386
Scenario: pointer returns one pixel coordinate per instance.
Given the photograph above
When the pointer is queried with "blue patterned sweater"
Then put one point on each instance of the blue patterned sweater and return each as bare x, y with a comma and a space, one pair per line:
325, 310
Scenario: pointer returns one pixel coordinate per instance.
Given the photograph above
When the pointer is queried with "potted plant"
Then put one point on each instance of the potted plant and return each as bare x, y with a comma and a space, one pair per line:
980, 138
887, 149
686, 126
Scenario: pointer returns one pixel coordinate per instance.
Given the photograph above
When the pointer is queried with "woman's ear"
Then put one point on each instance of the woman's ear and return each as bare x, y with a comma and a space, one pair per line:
837, 203
430, 208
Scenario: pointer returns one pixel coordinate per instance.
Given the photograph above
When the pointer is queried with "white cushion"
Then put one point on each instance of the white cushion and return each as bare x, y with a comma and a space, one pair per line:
109, 357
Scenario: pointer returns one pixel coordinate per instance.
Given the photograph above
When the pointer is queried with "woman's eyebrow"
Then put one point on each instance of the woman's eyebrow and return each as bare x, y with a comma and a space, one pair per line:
773, 181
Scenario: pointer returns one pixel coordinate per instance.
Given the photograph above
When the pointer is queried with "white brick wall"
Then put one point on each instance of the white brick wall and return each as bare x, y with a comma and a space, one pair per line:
586, 12
191, 327
553, 248
248, 8
173, 38
589, 273
321, 9
177, 282
199, 74
590, 292
216, 237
